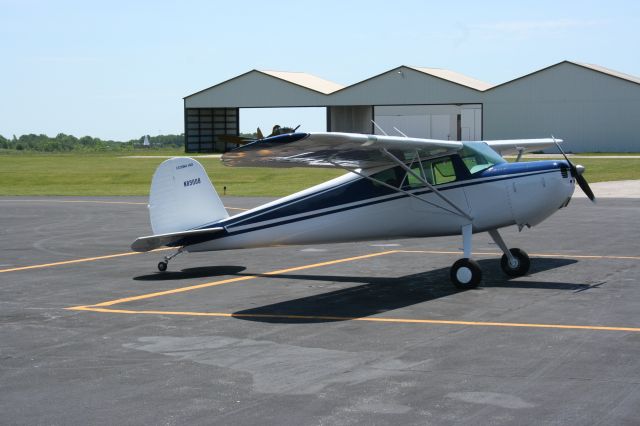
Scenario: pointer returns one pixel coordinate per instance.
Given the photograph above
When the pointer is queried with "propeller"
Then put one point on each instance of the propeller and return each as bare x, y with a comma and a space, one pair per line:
576, 172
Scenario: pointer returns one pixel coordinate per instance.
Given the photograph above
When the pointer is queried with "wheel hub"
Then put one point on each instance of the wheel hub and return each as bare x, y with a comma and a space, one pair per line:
464, 275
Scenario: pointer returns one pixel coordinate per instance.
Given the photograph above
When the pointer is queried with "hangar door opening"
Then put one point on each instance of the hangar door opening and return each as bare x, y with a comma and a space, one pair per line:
444, 122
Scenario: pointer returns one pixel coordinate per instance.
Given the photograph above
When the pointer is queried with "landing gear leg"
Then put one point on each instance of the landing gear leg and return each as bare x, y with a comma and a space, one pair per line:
162, 266
514, 262
465, 273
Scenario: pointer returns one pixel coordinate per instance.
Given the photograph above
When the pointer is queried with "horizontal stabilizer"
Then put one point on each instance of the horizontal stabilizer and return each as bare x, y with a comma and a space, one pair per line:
155, 241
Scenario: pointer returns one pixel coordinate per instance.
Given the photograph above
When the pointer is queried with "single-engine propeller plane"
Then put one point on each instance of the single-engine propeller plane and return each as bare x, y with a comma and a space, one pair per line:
397, 187
241, 140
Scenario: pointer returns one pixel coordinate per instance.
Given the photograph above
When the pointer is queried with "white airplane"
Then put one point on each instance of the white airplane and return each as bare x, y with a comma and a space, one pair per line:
397, 187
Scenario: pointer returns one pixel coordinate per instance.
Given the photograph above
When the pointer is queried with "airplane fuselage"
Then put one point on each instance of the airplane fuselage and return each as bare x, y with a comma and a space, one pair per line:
355, 208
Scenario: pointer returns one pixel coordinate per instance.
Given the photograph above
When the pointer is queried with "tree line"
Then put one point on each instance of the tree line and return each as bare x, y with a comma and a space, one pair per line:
68, 143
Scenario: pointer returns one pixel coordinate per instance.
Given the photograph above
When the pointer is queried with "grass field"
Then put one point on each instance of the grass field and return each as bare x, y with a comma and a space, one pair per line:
609, 169
95, 174
113, 174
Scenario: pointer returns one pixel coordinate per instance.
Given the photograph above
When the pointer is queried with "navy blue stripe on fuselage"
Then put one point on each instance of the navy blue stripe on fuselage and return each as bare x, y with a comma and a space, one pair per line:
334, 200
288, 219
364, 190
259, 214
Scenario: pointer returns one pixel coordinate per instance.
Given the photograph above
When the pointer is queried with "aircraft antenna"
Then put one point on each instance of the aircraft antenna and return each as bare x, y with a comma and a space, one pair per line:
379, 128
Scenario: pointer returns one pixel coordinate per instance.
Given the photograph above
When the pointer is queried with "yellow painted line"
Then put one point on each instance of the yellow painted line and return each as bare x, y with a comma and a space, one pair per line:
86, 259
94, 308
331, 262
91, 259
568, 256
580, 256
103, 307
233, 280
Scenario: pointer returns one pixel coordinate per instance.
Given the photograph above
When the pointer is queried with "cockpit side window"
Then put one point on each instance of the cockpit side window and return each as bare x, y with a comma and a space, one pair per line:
412, 181
435, 171
390, 176
443, 171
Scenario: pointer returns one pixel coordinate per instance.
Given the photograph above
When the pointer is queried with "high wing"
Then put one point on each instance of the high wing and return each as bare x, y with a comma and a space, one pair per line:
333, 149
517, 146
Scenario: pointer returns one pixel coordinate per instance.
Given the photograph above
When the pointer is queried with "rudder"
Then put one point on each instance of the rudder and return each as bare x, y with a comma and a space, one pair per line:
182, 197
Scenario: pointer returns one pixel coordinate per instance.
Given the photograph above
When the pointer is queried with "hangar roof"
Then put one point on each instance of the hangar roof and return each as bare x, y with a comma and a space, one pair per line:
611, 72
303, 79
286, 88
593, 67
455, 77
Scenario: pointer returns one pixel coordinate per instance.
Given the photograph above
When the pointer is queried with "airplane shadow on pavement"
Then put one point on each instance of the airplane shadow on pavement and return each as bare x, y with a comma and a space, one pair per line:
199, 272
377, 295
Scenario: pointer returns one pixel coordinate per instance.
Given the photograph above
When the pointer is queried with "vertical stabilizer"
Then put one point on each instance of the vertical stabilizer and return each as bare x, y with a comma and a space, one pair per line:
182, 197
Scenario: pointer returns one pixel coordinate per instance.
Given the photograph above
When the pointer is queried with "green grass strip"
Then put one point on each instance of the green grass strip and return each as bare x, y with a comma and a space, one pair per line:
104, 174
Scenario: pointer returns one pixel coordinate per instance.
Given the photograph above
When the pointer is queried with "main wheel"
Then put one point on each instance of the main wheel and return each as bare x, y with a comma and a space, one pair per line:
466, 274
519, 267
162, 266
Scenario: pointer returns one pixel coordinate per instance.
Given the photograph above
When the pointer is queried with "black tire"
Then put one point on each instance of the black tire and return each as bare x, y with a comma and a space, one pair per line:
162, 266
516, 270
465, 274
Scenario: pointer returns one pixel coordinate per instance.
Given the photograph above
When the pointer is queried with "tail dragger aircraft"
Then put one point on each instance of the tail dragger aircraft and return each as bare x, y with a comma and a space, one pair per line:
397, 187
241, 140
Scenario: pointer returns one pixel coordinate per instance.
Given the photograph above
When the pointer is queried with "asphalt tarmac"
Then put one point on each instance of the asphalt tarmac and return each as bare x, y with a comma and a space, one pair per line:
366, 333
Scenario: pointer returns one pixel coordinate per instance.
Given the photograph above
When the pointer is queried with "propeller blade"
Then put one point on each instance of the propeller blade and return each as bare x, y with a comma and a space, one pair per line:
584, 185
582, 182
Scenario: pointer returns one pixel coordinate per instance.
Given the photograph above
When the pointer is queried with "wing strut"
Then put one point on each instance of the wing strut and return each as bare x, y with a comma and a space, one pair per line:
459, 211
402, 191
424, 181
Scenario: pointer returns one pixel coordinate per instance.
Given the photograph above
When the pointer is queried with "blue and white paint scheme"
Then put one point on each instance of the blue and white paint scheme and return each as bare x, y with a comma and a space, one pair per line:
396, 187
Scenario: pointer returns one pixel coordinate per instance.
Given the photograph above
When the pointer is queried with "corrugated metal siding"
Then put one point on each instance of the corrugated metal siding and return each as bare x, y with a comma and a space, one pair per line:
404, 86
591, 111
306, 80
456, 77
255, 89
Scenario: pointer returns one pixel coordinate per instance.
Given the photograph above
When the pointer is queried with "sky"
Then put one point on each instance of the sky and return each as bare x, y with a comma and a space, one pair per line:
119, 69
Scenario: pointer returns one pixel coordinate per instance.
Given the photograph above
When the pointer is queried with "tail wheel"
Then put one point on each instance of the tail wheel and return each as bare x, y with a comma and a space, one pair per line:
162, 266
466, 274
519, 266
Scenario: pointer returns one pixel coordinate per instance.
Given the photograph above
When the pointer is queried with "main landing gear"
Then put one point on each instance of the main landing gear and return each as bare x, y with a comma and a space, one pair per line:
466, 273
162, 266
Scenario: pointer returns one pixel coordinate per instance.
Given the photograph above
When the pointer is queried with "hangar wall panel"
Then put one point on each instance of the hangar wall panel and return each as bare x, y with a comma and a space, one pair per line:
404, 86
445, 122
350, 119
591, 111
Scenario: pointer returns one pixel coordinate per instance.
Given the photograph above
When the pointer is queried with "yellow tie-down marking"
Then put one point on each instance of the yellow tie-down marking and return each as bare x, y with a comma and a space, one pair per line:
105, 307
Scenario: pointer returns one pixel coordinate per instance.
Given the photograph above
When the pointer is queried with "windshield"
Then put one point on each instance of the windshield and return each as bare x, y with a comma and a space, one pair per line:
478, 156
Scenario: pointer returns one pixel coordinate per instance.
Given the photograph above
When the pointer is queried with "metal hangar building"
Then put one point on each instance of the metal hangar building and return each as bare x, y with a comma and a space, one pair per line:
594, 109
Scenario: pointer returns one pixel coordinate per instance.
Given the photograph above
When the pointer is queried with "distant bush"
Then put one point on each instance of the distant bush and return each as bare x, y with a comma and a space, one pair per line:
67, 143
